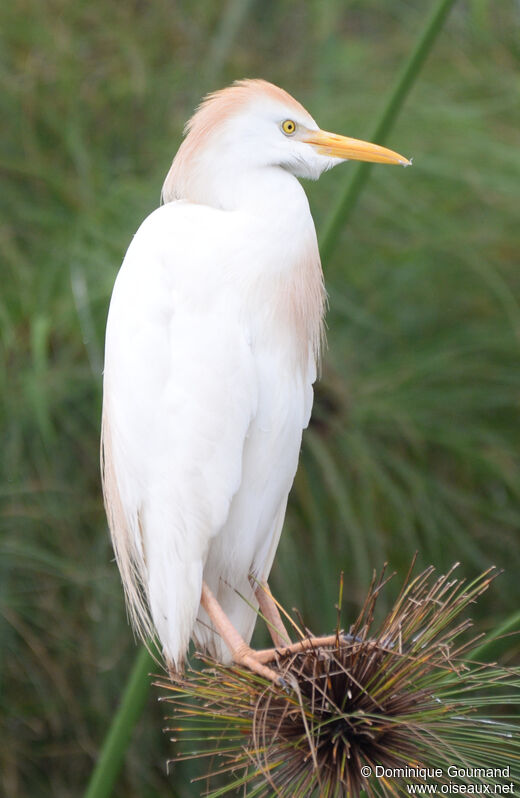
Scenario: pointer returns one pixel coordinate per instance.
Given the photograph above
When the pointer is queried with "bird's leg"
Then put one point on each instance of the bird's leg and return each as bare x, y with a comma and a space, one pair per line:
242, 653
270, 611
269, 654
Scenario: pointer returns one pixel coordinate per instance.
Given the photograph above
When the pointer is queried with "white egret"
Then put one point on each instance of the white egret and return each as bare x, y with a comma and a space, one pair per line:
212, 345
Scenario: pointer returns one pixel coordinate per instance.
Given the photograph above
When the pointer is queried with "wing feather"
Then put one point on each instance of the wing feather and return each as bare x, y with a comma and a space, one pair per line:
129, 556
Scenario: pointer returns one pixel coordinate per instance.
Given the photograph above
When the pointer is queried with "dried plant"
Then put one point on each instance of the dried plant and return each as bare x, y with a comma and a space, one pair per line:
388, 706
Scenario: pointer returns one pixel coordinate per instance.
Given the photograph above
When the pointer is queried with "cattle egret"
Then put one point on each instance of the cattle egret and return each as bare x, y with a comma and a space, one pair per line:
212, 345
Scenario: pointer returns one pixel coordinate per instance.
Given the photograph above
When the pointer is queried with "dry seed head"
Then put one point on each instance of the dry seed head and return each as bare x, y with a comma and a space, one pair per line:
398, 696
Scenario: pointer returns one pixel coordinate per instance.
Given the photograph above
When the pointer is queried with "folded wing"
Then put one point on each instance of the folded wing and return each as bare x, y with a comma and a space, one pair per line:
179, 395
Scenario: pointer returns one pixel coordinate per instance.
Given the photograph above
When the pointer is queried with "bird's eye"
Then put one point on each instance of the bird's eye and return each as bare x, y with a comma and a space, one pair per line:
288, 127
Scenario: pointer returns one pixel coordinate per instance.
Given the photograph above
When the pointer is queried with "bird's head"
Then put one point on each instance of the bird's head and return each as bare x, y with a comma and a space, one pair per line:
252, 125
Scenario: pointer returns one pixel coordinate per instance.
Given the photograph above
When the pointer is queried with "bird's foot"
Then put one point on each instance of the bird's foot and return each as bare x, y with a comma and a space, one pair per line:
249, 658
241, 653
307, 644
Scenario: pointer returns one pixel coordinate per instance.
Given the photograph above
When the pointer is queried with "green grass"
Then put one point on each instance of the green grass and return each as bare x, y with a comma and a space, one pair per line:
416, 437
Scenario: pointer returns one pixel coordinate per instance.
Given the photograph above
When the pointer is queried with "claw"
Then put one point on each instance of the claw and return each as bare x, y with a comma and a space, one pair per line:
348, 638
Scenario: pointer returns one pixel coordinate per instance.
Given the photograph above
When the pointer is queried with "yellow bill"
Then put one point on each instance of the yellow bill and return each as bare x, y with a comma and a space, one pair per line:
352, 149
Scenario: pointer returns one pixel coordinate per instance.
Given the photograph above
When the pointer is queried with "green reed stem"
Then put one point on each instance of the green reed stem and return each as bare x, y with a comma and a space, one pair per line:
491, 647
359, 173
120, 733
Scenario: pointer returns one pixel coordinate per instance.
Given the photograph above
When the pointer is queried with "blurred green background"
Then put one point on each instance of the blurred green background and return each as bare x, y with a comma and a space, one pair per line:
415, 438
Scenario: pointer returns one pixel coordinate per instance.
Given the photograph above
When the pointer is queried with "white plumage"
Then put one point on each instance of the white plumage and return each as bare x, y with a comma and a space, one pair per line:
212, 345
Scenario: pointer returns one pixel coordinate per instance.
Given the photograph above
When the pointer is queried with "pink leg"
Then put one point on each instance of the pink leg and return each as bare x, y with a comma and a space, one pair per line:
272, 615
242, 653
